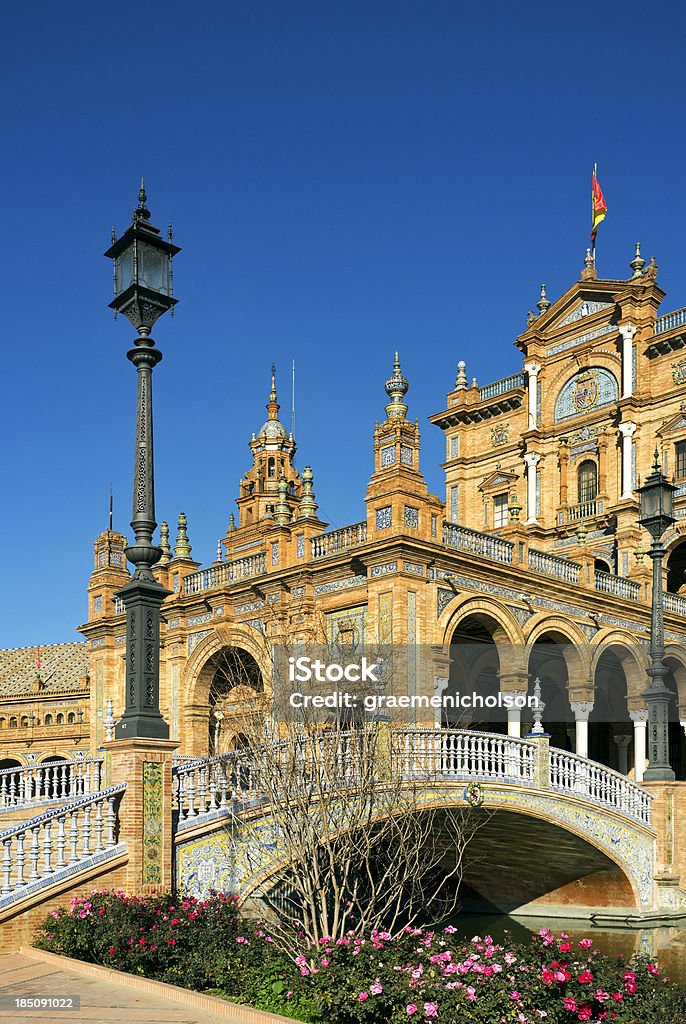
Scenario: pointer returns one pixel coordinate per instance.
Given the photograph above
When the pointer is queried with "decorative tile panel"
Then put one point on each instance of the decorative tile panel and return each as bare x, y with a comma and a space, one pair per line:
119, 640
174, 623
300, 545
197, 620
500, 434
454, 447
386, 618
406, 455
434, 526
97, 604
454, 503
275, 552
152, 822
347, 621
384, 517
411, 517
573, 342
414, 568
195, 638
298, 591
443, 599
385, 569
116, 558
582, 310
388, 455
590, 388
345, 584
98, 642
250, 606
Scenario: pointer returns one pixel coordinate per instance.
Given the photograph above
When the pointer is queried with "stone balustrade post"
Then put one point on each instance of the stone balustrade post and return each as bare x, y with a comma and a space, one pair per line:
145, 814
542, 768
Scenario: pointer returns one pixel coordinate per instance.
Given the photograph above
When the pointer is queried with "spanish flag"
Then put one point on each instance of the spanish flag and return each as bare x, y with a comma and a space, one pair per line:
599, 205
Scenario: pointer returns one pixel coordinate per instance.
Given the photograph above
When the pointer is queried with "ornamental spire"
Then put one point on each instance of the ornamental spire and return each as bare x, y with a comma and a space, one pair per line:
273, 405
397, 387
182, 548
307, 506
638, 263
164, 544
543, 303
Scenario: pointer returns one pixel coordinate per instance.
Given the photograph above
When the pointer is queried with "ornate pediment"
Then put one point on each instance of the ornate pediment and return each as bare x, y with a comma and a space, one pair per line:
582, 309
674, 423
499, 480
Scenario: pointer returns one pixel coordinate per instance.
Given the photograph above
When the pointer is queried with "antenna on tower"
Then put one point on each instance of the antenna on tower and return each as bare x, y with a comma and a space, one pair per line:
110, 507
293, 400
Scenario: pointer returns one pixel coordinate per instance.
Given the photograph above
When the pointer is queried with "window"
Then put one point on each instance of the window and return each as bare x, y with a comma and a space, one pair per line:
48, 720
680, 451
588, 481
71, 718
271, 468
500, 502
13, 723
60, 719
24, 722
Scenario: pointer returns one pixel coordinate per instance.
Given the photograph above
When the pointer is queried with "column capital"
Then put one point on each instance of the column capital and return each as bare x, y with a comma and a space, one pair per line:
628, 429
532, 459
581, 709
638, 717
622, 740
532, 368
627, 331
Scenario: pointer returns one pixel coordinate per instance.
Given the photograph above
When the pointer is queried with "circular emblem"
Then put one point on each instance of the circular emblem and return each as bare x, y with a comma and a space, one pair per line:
474, 794
585, 394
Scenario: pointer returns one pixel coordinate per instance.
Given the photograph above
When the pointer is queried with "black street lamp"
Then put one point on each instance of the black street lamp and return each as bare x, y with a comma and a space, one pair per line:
143, 292
657, 501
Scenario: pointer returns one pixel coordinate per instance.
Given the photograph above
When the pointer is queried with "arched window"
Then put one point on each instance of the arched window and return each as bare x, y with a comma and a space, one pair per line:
3, 723
588, 481
271, 468
13, 723
48, 720
24, 722
60, 719
71, 718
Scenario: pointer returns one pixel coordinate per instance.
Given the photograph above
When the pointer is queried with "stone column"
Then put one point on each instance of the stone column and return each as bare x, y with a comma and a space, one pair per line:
622, 742
440, 686
602, 464
533, 370
640, 720
514, 714
532, 459
627, 430
563, 461
628, 332
582, 710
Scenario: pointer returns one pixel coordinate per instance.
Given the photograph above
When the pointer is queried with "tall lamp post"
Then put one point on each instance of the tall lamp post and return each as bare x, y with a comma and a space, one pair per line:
657, 500
143, 292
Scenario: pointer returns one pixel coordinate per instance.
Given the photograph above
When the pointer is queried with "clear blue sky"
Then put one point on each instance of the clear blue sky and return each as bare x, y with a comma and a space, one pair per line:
345, 178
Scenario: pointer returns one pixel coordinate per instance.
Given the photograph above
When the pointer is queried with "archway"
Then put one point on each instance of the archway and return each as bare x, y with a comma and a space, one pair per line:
474, 672
610, 730
676, 569
555, 661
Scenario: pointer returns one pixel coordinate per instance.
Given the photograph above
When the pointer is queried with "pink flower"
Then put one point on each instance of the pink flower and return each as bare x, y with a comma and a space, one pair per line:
430, 1009
569, 1003
376, 989
652, 969
585, 943
363, 996
585, 1012
471, 993
411, 1008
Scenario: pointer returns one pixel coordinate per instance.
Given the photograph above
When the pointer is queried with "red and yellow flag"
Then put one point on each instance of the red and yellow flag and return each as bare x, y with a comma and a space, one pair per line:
599, 206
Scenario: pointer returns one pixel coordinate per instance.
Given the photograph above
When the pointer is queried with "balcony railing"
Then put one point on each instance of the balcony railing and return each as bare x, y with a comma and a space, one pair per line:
620, 586
485, 544
501, 387
670, 320
675, 603
339, 540
222, 575
553, 565
584, 510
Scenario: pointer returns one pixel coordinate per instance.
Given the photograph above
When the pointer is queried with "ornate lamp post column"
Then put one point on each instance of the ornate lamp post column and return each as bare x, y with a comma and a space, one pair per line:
143, 292
657, 496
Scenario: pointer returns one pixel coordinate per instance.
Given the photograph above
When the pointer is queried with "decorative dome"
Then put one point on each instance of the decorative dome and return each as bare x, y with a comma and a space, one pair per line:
397, 385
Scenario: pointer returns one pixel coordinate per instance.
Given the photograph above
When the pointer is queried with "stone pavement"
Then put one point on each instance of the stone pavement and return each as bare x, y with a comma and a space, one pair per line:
104, 998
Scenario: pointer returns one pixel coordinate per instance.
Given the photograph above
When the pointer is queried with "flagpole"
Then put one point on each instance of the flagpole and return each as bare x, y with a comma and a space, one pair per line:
595, 172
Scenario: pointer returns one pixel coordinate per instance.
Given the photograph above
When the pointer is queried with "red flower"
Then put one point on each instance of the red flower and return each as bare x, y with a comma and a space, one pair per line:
585, 977
111, 949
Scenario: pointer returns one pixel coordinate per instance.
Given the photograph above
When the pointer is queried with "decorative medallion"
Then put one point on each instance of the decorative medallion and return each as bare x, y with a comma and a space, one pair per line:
499, 435
679, 372
585, 394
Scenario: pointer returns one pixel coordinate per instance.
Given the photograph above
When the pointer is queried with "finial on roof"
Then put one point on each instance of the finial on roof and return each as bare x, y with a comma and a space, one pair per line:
141, 212
182, 548
164, 544
461, 379
543, 303
232, 522
307, 506
638, 263
588, 259
396, 388
282, 513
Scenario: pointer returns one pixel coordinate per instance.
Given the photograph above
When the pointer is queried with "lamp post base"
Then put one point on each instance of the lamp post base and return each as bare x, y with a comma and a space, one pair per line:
659, 774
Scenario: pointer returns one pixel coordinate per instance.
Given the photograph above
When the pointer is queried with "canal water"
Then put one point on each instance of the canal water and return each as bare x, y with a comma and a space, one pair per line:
667, 945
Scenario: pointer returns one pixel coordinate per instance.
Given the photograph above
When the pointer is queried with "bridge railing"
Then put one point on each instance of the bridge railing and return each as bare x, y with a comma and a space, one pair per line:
577, 776
36, 849
443, 753
56, 780
215, 784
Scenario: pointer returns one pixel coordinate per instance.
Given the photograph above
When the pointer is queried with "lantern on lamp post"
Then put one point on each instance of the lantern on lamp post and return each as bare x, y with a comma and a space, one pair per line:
143, 292
657, 504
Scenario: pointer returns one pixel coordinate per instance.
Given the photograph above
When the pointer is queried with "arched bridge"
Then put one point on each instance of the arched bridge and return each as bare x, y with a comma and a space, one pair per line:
564, 831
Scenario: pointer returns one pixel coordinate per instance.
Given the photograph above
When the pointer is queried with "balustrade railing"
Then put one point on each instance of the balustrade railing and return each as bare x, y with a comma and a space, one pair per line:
620, 586
553, 565
449, 753
576, 776
485, 544
501, 387
224, 574
339, 540
119, 605
670, 320
214, 784
675, 603
56, 780
39, 848
584, 510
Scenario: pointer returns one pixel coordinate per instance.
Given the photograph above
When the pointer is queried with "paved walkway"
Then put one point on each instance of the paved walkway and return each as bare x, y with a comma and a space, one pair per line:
102, 999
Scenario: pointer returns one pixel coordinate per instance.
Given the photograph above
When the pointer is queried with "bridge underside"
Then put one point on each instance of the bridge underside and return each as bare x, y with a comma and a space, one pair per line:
517, 862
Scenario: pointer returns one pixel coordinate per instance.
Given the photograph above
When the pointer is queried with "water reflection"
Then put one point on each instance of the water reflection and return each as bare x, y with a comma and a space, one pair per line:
667, 945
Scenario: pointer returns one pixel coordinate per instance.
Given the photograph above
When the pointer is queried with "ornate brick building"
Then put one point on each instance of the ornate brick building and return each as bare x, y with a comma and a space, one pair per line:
535, 544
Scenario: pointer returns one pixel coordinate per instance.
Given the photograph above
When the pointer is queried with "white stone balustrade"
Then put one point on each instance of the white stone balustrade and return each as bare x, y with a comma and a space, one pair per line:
222, 575
620, 586
579, 777
553, 565
230, 782
675, 603
66, 837
339, 540
42, 783
485, 544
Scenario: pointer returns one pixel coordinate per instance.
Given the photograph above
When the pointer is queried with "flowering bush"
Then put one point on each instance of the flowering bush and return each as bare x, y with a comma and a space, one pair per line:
418, 976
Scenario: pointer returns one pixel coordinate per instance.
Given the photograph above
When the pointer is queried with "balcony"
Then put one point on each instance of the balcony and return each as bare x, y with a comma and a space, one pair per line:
484, 544
225, 574
620, 586
584, 510
553, 565
339, 540
501, 387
